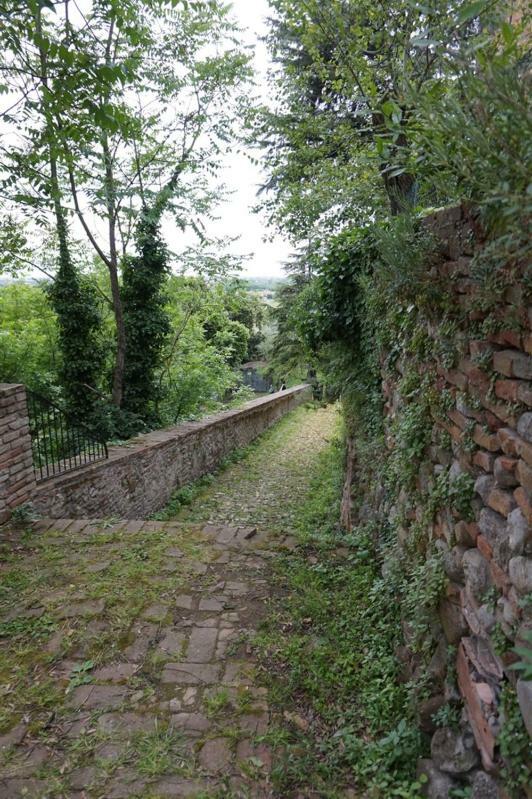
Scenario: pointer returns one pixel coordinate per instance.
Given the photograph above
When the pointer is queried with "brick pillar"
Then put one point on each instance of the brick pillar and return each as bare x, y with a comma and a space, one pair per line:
17, 479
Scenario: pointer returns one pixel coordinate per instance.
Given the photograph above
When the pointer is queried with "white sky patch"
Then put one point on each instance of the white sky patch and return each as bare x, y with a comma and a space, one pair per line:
242, 177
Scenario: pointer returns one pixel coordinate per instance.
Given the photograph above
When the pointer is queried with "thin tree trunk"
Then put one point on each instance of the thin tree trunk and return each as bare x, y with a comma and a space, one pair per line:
112, 265
110, 196
60, 217
401, 188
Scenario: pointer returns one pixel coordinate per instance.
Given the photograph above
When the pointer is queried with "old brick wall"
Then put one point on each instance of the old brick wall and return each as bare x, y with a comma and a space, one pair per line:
139, 477
17, 480
487, 433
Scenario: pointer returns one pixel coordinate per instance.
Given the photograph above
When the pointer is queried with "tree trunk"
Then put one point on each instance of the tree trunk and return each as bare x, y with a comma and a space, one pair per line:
110, 196
401, 189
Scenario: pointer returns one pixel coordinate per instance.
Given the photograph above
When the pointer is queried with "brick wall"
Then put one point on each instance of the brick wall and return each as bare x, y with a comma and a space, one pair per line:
17, 480
488, 563
139, 477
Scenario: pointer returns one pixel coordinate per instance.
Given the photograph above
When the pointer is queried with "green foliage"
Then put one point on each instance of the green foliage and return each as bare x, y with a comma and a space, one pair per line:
28, 339
76, 305
515, 744
145, 319
339, 656
473, 136
456, 493
80, 675
447, 716
524, 664
160, 751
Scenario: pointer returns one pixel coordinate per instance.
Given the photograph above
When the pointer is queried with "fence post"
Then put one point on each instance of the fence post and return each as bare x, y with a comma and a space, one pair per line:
17, 479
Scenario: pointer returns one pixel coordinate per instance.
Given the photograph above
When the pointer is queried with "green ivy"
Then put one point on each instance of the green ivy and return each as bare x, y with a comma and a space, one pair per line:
515, 744
75, 302
145, 318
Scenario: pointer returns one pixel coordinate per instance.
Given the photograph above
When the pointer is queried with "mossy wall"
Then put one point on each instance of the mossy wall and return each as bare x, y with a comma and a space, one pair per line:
453, 488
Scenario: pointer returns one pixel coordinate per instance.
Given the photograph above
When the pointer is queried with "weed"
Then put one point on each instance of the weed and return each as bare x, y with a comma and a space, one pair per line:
159, 752
80, 675
515, 744
217, 703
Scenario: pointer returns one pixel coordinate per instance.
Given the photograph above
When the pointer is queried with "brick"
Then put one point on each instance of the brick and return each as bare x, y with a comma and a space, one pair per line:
507, 390
504, 470
455, 377
8, 389
489, 441
484, 547
458, 418
499, 577
455, 432
521, 497
463, 407
512, 363
519, 532
466, 533
14, 487
493, 422
501, 414
510, 441
501, 501
479, 347
477, 712
475, 375
506, 338
484, 460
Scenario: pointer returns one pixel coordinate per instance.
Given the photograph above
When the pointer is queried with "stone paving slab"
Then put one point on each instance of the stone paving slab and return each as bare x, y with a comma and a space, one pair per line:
169, 684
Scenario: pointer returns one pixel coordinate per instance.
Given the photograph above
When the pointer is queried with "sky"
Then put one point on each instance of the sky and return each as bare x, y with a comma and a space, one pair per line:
243, 177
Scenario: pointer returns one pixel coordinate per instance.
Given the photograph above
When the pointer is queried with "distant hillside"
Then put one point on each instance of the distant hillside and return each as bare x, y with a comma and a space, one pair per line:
263, 283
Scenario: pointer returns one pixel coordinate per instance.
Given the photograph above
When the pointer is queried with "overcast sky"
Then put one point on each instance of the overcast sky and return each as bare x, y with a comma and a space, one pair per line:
237, 218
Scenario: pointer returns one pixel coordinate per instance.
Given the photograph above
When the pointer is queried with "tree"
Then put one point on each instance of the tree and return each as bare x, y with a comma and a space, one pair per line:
138, 102
347, 76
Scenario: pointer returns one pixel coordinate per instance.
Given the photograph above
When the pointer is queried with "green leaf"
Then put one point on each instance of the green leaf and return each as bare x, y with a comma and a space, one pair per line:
470, 11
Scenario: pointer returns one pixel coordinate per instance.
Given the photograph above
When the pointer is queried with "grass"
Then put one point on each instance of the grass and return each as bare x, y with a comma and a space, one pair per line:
160, 752
43, 573
217, 703
258, 484
328, 648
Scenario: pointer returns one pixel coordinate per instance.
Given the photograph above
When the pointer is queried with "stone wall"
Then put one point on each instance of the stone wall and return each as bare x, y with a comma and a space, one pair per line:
17, 480
485, 432
140, 476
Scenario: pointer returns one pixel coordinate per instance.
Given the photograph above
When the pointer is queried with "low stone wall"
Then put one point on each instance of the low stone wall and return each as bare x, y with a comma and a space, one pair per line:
140, 476
17, 480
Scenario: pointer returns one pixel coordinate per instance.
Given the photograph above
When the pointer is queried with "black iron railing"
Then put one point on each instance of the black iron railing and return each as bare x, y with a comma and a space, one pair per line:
59, 443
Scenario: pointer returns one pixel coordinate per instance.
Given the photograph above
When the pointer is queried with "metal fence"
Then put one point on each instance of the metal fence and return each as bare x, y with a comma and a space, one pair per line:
59, 443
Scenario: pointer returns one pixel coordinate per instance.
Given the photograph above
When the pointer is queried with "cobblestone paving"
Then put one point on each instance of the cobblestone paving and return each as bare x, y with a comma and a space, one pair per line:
126, 661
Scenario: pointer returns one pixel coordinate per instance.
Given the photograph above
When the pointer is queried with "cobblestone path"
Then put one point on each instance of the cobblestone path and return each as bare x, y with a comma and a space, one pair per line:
126, 667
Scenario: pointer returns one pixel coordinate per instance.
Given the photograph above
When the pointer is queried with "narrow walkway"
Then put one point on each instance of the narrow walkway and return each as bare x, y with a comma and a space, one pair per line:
125, 655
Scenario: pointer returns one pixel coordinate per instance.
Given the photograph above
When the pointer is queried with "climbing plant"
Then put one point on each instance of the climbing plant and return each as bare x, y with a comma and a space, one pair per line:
145, 318
76, 304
